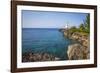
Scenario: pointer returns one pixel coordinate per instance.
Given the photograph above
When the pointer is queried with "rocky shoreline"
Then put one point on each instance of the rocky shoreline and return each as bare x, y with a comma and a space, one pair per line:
36, 57
77, 51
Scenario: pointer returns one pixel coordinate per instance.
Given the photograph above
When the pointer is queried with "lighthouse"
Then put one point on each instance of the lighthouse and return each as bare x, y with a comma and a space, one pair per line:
66, 26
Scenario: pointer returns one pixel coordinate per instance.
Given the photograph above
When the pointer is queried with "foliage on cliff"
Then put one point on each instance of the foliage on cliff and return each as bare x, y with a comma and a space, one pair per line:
78, 51
84, 28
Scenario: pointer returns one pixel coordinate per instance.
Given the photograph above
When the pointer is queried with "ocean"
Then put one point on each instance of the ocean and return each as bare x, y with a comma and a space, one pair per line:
45, 40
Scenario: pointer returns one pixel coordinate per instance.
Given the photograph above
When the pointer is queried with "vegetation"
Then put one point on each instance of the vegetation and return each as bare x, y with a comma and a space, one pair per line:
84, 28
78, 51
87, 23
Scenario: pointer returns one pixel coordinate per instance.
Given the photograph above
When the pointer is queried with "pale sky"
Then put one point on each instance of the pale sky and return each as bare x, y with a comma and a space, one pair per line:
45, 19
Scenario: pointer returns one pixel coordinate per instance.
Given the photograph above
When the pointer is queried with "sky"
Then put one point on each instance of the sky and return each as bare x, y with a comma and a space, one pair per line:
51, 19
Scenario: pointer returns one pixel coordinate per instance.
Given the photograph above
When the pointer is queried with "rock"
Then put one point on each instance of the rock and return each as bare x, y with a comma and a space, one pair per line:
80, 49
74, 52
77, 52
46, 57
56, 58
33, 57
85, 43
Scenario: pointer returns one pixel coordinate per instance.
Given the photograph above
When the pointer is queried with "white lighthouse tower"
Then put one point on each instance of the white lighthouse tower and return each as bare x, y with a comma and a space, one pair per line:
66, 26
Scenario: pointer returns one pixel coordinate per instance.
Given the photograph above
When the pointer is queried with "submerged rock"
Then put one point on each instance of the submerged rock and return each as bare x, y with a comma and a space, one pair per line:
34, 57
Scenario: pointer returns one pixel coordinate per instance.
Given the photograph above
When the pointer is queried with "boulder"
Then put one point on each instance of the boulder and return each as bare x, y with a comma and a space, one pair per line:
77, 52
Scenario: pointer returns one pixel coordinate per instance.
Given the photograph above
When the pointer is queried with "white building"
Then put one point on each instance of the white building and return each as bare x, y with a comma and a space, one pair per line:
66, 26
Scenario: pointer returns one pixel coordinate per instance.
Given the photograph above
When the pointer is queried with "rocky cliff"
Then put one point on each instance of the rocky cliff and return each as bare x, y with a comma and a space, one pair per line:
79, 50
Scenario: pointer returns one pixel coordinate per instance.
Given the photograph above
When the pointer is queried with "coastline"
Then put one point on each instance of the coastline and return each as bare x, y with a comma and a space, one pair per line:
37, 42
77, 51
38, 57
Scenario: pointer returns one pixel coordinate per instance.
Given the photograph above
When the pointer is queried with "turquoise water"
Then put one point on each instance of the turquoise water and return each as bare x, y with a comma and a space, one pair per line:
43, 40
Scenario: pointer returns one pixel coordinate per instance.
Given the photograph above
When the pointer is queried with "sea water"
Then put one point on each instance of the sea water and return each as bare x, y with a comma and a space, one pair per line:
45, 40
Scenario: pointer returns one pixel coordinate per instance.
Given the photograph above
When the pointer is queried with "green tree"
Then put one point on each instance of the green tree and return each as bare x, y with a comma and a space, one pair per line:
87, 23
81, 27
73, 27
